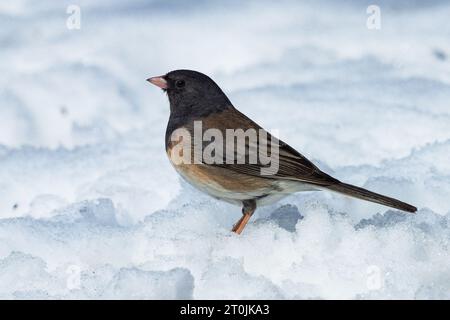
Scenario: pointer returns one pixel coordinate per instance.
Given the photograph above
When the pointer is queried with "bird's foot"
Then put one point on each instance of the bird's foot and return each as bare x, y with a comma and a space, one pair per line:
249, 206
240, 225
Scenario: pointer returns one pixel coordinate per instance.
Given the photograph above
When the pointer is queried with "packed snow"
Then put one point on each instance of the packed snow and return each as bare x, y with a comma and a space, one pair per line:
91, 208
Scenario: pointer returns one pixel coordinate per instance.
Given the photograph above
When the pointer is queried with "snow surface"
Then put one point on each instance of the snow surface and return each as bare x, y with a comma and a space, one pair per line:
91, 208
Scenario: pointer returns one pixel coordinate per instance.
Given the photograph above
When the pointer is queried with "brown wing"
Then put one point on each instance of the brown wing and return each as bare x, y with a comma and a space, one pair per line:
292, 165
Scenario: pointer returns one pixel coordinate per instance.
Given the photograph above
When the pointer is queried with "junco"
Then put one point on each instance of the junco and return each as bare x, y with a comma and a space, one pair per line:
201, 115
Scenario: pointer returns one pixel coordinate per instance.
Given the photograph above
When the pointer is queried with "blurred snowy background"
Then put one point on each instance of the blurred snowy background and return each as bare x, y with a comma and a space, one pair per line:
91, 208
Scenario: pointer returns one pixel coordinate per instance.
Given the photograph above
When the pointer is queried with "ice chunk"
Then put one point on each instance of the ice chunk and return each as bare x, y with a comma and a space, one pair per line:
138, 284
223, 278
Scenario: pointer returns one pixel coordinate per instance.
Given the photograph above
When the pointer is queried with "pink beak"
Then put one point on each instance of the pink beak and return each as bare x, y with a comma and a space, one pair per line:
158, 81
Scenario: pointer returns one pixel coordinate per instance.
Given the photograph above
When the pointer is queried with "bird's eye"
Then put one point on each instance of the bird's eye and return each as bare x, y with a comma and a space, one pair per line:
179, 83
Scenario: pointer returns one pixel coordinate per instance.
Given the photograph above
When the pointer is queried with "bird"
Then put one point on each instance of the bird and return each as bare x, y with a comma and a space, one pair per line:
195, 99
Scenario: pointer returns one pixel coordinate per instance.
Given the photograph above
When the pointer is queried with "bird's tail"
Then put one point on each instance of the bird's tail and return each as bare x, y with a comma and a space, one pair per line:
367, 195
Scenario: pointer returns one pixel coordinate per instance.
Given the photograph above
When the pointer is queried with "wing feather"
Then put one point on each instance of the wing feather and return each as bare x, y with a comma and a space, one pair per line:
292, 164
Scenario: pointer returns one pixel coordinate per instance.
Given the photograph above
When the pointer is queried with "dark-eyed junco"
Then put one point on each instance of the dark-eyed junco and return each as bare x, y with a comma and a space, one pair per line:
260, 170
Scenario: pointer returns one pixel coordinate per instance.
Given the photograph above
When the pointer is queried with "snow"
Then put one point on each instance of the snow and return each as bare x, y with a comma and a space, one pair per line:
91, 208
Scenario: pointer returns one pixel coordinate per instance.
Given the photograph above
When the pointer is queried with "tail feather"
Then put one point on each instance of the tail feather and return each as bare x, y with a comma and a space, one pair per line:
367, 195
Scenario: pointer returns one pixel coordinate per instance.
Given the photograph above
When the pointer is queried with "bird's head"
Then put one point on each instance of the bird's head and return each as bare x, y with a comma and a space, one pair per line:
191, 92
